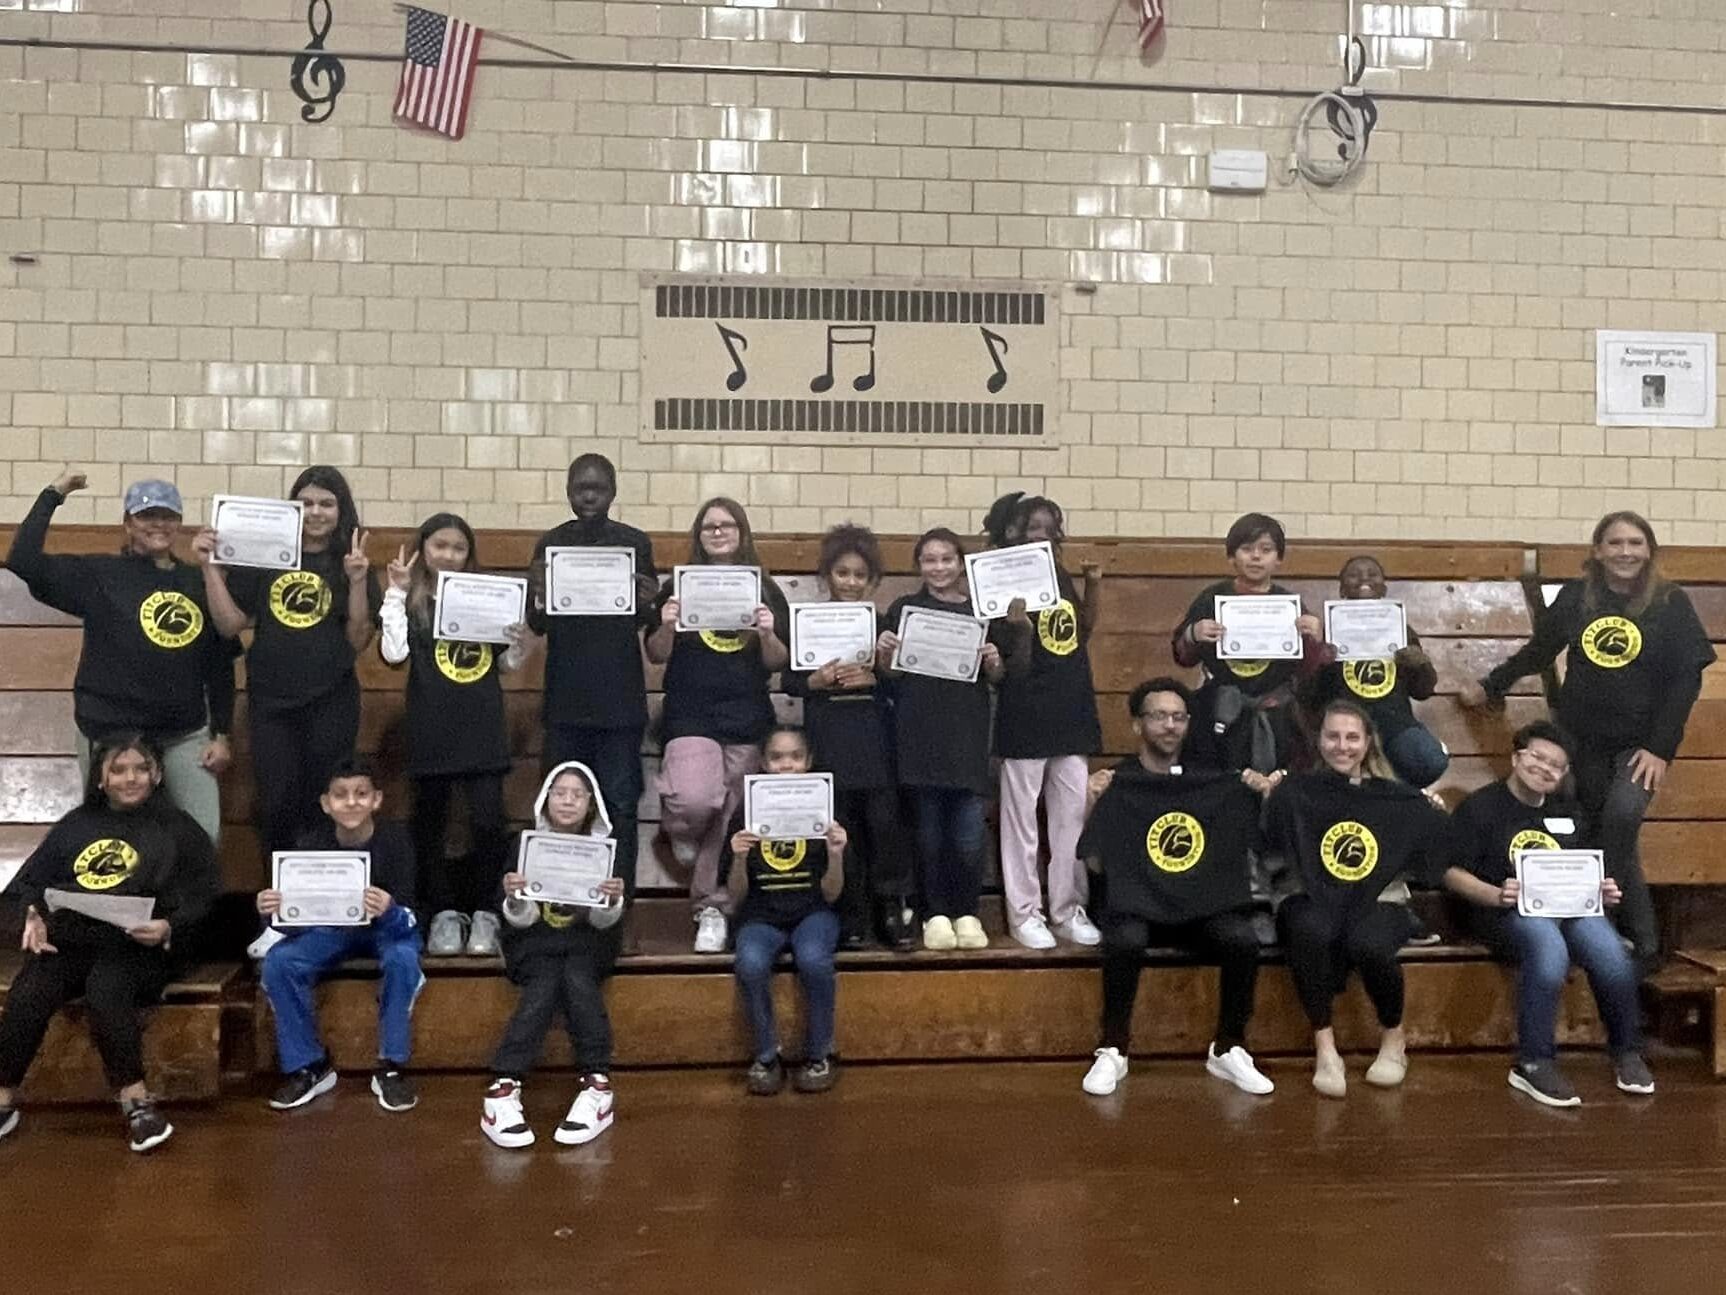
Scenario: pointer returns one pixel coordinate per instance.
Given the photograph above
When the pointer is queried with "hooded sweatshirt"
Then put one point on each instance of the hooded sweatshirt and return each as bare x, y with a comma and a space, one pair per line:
533, 929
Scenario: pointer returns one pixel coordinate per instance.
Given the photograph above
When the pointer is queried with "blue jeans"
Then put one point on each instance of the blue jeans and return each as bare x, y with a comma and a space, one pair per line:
813, 940
294, 967
950, 845
1418, 757
1544, 948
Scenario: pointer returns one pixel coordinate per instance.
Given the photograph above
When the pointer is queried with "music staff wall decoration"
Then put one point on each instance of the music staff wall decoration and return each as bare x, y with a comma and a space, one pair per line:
819, 362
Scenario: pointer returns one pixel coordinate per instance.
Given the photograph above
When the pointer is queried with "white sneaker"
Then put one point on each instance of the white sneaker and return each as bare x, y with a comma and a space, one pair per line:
503, 1120
482, 935
710, 931
1033, 933
591, 1114
968, 933
938, 934
259, 949
448, 935
1106, 1072
1236, 1066
1079, 929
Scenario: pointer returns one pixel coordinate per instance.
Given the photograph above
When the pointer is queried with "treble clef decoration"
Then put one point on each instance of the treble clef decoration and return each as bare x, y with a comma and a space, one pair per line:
324, 72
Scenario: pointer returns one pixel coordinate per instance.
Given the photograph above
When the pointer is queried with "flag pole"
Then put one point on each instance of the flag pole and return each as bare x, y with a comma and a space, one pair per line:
491, 35
1108, 27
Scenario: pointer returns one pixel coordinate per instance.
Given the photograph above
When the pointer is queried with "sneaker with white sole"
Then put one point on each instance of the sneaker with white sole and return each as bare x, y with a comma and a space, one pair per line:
968, 933
1236, 1066
1544, 1082
303, 1085
592, 1113
259, 949
393, 1089
1079, 929
502, 1120
1632, 1074
448, 935
9, 1118
1033, 933
146, 1127
938, 934
1106, 1072
482, 935
710, 931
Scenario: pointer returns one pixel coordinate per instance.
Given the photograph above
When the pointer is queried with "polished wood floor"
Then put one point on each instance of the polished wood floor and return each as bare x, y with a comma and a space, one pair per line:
957, 1178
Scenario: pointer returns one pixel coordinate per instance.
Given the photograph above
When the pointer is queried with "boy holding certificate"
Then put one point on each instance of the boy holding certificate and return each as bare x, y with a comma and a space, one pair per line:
384, 929
1528, 812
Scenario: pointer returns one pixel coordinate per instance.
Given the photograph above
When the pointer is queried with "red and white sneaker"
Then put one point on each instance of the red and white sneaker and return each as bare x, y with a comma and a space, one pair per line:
590, 1114
503, 1120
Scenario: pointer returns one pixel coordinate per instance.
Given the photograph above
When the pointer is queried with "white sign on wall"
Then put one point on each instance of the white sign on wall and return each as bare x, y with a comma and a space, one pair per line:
1654, 379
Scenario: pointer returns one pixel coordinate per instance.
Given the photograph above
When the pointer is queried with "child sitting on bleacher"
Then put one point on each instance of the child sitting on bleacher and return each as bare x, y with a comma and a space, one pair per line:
305, 955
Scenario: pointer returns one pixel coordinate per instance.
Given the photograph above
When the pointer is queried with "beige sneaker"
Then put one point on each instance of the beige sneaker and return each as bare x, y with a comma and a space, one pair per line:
1329, 1077
938, 934
969, 933
1388, 1068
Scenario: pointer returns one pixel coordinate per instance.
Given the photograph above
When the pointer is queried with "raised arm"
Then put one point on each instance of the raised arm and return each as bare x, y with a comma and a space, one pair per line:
62, 582
225, 613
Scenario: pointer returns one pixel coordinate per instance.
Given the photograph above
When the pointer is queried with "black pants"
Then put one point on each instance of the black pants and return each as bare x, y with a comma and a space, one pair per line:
293, 752
572, 983
878, 858
116, 981
464, 884
1616, 806
614, 755
1324, 946
1227, 939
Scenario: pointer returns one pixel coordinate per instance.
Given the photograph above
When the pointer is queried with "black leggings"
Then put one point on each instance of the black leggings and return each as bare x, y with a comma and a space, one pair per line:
1323, 947
1228, 939
116, 982
878, 858
1617, 806
293, 752
463, 884
574, 982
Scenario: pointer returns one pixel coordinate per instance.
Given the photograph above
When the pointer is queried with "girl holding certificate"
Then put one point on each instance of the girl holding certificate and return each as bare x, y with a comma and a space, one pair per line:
310, 624
1349, 830
717, 710
456, 738
559, 956
1045, 725
941, 728
125, 851
1633, 669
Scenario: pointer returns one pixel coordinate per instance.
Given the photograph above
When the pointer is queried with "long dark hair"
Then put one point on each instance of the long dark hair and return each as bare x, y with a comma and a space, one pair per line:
105, 750
324, 477
746, 554
422, 584
1652, 588
998, 521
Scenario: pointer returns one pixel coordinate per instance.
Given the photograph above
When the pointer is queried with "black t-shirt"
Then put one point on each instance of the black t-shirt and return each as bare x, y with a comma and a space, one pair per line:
850, 732
1380, 686
1050, 708
1254, 678
941, 726
715, 684
300, 650
561, 931
455, 716
784, 879
1492, 824
1348, 841
392, 851
1174, 847
593, 668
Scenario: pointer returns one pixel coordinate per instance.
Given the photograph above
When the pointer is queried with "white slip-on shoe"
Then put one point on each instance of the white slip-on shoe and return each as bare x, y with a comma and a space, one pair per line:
1079, 929
710, 931
1236, 1066
1034, 933
1106, 1072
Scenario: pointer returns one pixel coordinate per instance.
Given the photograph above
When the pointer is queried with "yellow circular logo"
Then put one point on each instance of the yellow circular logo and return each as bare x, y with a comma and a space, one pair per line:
462, 662
299, 599
1612, 642
1370, 680
104, 864
1058, 629
170, 619
1175, 842
1349, 850
783, 856
557, 916
1247, 669
1530, 839
726, 641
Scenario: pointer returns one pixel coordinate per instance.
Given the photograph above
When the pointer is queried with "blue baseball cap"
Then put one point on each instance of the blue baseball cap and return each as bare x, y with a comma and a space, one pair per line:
144, 495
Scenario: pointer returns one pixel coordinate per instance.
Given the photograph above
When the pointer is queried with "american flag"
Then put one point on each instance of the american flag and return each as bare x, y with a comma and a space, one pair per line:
1150, 21
437, 72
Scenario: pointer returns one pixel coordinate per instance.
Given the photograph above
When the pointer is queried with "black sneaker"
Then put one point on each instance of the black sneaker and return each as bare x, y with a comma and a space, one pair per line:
1419, 933
303, 1085
393, 1090
9, 1118
766, 1078
852, 941
1544, 1082
816, 1076
146, 1127
1633, 1074
897, 925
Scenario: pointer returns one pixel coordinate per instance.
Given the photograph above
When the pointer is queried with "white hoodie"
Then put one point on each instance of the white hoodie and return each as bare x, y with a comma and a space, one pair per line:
523, 913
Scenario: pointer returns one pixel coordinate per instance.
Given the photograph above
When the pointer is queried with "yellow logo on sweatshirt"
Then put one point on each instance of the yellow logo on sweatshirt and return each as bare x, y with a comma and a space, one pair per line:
1531, 839
1612, 642
104, 864
783, 856
1349, 851
1058, 629
558, 917
726, 641
1176, 842
462, 662
299, 599
1245, 669
1370, 680
170, 619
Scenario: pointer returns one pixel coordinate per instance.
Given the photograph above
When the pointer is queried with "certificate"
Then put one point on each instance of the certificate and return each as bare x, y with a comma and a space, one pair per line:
942, 645
589, 582
565, 869
478, 609
1365, 629
123, 911
1560, 883
1259, 627
1023, 571
787, 806
321, 887
716, 597
823, 632
257, 532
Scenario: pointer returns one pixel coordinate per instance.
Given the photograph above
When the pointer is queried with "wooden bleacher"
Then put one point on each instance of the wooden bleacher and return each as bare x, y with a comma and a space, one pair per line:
1470, 604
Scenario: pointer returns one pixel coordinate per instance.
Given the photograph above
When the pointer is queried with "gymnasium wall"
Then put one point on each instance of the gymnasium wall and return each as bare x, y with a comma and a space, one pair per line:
227, 292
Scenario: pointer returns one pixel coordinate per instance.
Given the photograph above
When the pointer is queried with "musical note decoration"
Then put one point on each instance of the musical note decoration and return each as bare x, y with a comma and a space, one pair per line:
997, 379
840, 335
732, 341
317, 78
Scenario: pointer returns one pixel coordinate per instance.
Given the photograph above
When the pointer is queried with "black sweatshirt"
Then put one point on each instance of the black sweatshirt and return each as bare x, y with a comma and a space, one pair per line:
1254, 678
300, 651
1348, 841
1049, 708
1492, 824
850, 731
391, 849
715, 683
593, 670
1629, 681
151, 659
155, 850
1383, 687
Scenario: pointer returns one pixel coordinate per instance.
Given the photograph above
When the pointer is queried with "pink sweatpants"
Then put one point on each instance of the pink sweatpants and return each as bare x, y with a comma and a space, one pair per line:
700, 787
1060, 782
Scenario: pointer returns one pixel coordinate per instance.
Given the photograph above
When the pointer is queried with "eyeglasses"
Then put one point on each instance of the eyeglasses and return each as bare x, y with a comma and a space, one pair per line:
1558, 768
1175, 717
718, 528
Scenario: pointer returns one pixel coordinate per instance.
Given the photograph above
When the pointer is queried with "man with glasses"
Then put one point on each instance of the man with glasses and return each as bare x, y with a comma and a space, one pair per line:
1173, 848
1527, 811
